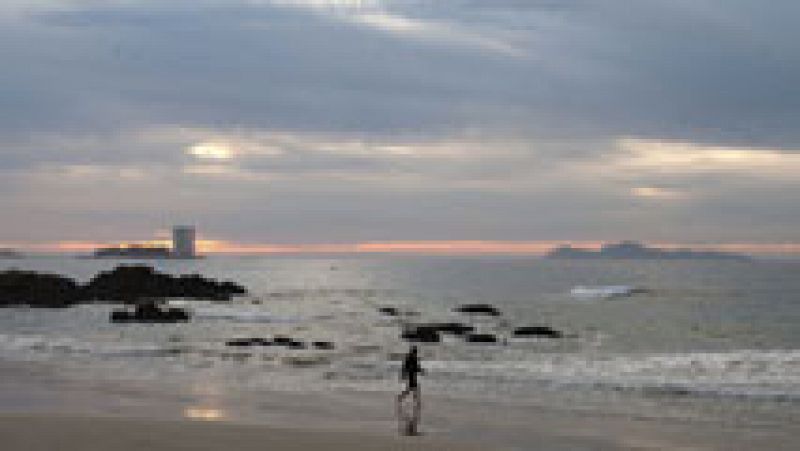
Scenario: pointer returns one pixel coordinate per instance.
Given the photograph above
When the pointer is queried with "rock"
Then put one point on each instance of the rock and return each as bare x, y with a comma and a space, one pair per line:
150, 312
389, 311
243, 342
294, 344
37, 289
537, 331
239, 342
304, 361
421, 334
131, 283
478, 309
281, 340
481, 338
288, 342
451, 328
127, 284
323, 345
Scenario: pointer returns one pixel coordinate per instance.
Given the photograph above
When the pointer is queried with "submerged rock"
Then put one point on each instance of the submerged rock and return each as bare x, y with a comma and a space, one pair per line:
282, 340
150, 312
537, 331
245, 342
478, 309
323, 345
481, 338
389, 311
451, 328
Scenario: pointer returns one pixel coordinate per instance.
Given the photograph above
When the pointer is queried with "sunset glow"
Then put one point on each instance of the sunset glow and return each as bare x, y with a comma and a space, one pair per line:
460, 247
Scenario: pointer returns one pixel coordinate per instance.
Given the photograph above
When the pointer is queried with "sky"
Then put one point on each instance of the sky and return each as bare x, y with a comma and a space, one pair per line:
502, 126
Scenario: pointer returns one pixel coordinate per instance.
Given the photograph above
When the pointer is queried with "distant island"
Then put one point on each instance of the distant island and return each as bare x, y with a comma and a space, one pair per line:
634, 250
133, 251
183, 247
10, 253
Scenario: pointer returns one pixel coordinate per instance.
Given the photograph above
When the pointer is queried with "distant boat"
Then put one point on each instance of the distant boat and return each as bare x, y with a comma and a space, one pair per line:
637, 251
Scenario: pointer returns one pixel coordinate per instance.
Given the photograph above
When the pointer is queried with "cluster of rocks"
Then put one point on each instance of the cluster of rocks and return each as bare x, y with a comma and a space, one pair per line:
38, 289
279, 340
123, 284
432, 332
131, 283
150, 312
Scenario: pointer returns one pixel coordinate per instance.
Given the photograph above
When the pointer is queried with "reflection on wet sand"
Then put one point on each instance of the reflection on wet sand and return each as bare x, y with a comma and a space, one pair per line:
204, 413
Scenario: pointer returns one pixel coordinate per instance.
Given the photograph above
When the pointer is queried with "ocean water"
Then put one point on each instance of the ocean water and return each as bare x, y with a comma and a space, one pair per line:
701, 339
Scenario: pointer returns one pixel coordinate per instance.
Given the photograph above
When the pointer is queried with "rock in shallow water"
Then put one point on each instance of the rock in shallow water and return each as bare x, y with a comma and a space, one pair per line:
537, 331
478, 309
127, 284
481, 338
150, 313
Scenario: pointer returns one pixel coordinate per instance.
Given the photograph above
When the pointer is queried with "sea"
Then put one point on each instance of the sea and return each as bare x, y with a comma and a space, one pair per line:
670, 339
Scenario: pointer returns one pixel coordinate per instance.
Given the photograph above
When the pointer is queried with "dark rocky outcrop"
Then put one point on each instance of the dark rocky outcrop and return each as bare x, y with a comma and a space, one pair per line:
537, 331
481, 338
131, 283
478, 309
125, 284
150, 312
38, 289
323, 345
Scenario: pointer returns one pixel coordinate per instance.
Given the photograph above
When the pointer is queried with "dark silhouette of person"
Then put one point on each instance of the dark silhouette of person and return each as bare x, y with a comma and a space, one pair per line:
409, 371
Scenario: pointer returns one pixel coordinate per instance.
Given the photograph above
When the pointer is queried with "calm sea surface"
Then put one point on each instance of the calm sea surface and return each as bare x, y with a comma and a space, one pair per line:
708, 339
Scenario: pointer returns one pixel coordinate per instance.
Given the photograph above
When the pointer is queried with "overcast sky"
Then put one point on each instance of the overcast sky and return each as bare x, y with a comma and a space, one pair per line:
314, 121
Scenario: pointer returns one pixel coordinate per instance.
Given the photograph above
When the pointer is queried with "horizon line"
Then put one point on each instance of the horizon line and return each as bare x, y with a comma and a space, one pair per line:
424, 247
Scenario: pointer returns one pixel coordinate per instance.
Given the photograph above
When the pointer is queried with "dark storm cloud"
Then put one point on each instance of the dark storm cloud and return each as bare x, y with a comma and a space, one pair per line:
532, 94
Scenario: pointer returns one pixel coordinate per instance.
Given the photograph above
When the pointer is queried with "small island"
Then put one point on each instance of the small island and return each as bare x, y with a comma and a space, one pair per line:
10, 254
633, 250
183, 248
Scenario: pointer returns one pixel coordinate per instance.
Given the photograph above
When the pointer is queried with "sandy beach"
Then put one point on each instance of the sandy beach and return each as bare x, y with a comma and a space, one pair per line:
45, 432
73, 433
42, 411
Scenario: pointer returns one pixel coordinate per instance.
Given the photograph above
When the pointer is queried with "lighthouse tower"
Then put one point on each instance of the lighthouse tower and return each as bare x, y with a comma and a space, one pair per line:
183, 242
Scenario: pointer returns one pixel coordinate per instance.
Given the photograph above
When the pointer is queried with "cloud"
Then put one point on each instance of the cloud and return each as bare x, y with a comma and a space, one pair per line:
642, 155
401, 120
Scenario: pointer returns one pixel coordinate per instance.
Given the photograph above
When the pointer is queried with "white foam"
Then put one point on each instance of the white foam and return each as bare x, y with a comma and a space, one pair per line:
602, 291
774, 373
242, 314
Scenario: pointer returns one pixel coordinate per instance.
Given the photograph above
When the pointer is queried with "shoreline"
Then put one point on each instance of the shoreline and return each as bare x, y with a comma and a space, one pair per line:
83, 415
78, 433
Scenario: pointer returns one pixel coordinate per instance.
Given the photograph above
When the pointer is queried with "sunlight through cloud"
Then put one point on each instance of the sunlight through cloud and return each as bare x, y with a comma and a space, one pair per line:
211, 151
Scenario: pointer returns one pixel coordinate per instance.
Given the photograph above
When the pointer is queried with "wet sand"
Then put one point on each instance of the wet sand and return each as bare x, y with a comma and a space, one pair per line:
41, 410
73, 433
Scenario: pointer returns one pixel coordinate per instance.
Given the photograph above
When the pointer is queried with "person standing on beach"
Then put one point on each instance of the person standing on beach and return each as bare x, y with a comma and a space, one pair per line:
409, 371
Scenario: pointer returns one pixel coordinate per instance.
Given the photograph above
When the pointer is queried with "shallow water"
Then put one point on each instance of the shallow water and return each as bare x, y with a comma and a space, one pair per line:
705, 339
